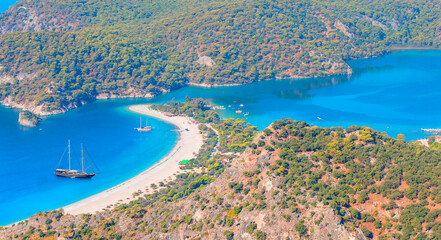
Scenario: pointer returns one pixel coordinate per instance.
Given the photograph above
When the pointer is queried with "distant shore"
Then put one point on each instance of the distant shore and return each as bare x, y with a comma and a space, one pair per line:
207, 85
413, 48
189, 144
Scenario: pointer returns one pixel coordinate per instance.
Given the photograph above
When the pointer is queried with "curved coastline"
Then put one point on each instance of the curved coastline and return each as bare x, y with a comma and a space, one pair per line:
189, 143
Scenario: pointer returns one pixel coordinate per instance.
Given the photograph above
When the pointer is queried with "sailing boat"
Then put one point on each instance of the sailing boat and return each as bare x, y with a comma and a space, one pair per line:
74, 173
143, 129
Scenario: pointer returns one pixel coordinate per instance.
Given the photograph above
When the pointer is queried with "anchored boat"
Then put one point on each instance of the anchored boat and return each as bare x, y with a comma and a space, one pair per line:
71, 173
143, 129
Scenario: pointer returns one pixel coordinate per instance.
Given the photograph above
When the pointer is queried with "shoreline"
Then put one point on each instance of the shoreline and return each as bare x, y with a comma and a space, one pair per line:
37, 109
206, 85
413, 48
188, 145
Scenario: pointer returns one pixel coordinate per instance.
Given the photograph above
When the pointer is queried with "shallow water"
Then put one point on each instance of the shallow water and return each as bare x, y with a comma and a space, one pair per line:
29, 156
398, 93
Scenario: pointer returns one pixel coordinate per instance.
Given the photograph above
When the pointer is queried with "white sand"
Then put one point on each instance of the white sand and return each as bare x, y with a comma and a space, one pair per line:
189, 143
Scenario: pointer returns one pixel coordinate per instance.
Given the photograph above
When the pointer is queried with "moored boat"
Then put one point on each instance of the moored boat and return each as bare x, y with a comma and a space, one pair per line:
72, 173
143, 129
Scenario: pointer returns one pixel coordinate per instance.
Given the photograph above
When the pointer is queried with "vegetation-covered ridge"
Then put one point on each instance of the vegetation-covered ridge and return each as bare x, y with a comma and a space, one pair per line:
57, 55
294, 181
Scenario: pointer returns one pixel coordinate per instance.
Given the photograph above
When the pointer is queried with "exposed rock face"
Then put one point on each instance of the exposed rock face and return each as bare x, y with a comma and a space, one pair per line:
27, 119
205, 60
210, 213
20, 78
22, 17
349, 71
44, 110
395, 24
343, 28
40, 110
206, 85
130, 93
375, 22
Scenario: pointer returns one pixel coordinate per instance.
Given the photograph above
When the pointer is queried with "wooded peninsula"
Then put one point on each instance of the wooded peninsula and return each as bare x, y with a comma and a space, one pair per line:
58, 55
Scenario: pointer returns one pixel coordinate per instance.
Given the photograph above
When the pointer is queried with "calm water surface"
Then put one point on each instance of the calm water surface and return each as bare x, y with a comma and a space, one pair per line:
29, 156
398, 93
5, 4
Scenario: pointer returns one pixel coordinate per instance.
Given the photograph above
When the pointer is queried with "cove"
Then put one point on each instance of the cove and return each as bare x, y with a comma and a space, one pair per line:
29, 156
397, 93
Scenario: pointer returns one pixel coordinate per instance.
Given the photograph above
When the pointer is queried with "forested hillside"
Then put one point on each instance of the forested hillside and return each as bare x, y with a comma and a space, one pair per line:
59, 55
293, 181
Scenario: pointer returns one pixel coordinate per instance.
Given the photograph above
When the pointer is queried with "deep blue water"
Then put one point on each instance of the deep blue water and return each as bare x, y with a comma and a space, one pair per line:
398, 93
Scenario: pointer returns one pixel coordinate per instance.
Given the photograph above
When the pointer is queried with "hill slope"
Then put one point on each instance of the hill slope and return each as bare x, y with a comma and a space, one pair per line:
59, 55
295, 180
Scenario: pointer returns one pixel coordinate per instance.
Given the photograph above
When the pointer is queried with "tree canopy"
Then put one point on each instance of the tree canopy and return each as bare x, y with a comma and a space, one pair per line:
62, 54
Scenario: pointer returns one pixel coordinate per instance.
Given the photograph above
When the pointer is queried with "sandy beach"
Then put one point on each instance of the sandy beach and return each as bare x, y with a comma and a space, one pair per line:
189, 143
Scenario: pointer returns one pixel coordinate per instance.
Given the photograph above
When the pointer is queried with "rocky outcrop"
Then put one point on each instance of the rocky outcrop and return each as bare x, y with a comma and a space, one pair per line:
22, 17
216, 211
207, 85
40, 110
130, 93
343, 28
395, 24
206, 60
44, 110
375, 22
320, 220
28, 119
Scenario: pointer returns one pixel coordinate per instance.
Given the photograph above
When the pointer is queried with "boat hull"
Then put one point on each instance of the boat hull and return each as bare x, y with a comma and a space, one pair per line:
75, 175
144, 129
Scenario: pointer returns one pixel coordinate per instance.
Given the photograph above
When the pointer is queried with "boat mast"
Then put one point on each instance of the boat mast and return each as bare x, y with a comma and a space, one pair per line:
82, 158
69, 152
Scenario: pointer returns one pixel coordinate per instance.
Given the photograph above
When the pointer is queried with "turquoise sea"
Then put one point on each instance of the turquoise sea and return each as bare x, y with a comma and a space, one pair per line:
398, 93
4, 4
29, 156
